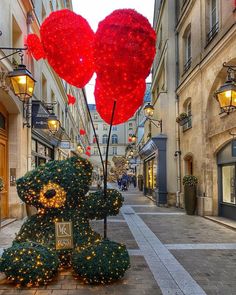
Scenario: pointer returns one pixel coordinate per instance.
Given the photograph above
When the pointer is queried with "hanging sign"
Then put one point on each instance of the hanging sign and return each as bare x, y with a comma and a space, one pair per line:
64, 235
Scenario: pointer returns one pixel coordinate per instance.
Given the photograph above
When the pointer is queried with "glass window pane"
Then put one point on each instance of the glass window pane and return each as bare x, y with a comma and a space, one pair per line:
228, 184
2, 121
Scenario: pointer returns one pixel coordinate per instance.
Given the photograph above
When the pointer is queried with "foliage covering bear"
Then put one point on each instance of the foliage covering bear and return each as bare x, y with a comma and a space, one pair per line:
59, 191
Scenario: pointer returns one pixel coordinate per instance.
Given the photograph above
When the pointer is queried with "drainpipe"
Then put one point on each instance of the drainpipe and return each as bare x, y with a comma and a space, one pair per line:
177, 133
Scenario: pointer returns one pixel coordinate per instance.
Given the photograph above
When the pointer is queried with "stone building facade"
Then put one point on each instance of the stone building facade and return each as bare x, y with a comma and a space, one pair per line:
206, 38
22, 148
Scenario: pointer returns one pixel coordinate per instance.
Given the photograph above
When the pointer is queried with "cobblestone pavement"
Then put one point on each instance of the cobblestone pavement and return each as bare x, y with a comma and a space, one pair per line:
171, 253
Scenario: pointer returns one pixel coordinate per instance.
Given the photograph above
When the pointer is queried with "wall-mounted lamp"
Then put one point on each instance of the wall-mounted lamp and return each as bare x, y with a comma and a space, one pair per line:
22, 81
80, 149
226, 94
53, 123
148, 112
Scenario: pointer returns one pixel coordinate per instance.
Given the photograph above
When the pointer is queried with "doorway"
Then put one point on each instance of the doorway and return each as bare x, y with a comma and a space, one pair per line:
4, 161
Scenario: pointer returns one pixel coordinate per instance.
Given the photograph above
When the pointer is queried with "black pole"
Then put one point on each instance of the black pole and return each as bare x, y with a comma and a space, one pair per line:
105, 175
94, 132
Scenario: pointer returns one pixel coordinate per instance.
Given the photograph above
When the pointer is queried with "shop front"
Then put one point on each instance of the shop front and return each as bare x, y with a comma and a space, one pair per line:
226, 160
42, 150
150, 173
153, 155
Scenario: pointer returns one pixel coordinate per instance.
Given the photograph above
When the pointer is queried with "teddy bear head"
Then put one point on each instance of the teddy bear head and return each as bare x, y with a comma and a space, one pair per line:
57, 185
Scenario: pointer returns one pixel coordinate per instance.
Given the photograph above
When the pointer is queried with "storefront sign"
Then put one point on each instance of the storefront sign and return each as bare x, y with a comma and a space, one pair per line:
39, 115
64, 235
65, 144
233, 148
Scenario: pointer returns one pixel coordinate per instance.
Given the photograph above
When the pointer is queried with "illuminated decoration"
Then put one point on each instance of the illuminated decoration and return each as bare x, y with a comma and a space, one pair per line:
67, 40
52, 196
88, 153
127, 102
88, 148
22, 83
124, 47
33, 258
130, 139
82, 132
35, 47
71, 99
53, 123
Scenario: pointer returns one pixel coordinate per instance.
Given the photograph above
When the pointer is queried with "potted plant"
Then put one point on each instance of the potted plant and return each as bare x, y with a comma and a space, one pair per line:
182, 119
190, 193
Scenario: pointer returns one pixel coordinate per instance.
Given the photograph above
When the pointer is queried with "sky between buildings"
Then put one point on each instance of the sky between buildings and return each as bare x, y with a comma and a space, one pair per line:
96, 10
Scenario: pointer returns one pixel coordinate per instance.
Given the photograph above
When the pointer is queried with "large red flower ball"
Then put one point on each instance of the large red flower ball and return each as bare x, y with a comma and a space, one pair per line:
127, 102
35, 47
67, 40
124, 47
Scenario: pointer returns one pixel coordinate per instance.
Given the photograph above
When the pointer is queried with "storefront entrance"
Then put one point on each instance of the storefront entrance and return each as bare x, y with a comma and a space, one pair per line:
227, 182
4, 161
150, 176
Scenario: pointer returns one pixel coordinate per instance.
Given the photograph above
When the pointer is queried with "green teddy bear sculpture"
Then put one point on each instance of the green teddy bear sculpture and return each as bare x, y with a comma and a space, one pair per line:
59, 190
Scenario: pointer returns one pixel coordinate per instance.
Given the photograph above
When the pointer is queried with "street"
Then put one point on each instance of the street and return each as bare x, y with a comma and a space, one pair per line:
171, 253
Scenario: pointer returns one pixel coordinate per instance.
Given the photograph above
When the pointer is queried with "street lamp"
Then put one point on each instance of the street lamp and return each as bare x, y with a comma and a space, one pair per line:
226, 94
133, 138
53, 123
148, 112
22, 83
80, 149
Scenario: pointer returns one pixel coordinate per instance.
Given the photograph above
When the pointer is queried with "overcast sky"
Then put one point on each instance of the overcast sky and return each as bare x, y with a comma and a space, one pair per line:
96, 10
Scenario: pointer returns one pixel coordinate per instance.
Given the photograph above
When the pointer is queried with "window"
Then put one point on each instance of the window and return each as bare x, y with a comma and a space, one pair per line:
104, 126
188, 165
114, 139
131, 125
95, 116
188, 111
2, 121
96, 126
160, 38
104, 139
95, 151
114, 128
44, 88
114, 150
187, 49
214, 23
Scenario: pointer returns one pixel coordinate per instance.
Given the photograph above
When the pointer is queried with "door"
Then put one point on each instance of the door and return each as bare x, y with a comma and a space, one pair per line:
228, 191
3, 175
4, 161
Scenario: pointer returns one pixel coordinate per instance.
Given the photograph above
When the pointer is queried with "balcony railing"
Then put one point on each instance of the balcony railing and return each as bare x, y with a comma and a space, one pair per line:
187, 65
214, 30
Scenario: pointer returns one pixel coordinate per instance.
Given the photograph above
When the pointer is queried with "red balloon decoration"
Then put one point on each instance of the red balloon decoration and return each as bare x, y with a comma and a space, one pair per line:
68, 40
34, 46
124, 47
126, 103
82, 132
71, 99
88, 153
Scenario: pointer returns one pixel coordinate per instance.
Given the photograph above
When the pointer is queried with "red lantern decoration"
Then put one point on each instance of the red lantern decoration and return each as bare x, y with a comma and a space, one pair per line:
88, 148
68, 41
71, 99
34, 46
88, 153
126, 103
124, 47
130, 139
82, 132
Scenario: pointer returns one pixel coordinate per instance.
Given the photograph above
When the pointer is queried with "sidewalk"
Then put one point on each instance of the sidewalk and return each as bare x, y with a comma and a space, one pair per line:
171, 253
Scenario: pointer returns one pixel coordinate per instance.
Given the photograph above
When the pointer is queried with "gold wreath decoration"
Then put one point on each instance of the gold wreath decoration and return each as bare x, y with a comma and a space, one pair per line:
56, 201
